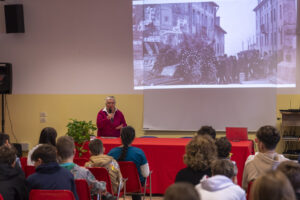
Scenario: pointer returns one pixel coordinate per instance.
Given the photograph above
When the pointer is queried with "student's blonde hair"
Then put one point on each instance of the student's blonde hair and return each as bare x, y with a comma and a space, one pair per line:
200, 152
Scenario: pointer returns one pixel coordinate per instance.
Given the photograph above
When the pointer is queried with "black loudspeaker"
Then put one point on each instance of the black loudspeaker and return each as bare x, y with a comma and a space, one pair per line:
14, 18
5, 78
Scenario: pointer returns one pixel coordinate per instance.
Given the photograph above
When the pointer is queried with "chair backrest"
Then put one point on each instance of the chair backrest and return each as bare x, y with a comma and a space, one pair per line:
80, 161
236, 133
51, 194
129, 171
1, 198
82, 189
249, 189
101, 174
29, 169
23, 161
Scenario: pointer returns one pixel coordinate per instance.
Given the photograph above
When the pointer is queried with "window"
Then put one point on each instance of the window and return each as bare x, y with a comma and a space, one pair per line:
166, 18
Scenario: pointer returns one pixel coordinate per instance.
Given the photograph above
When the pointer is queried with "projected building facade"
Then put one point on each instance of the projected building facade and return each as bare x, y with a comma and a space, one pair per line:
276, 35
191, 44
162, 31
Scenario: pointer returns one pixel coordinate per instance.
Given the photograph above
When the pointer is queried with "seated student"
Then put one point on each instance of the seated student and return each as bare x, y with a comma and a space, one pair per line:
66, 151
292, 171
181, 191
48, 174
272, 185
12, 181
224, 148
129, 153
48, 136
99, 159
207, 130
267, 137
4, 140
220, 185
199, 154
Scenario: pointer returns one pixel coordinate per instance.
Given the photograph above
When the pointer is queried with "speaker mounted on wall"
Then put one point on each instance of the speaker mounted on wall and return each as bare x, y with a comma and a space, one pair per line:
5, 78
14, 18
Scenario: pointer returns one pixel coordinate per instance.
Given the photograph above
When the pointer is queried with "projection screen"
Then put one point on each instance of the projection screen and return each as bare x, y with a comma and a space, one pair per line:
214, 62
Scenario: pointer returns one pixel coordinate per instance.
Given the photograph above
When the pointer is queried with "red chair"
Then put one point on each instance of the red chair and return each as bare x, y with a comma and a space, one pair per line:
51, 194
101, 174
80, 161
1, 198
236, 133
29, 170
82, 189
23, 161
133, 184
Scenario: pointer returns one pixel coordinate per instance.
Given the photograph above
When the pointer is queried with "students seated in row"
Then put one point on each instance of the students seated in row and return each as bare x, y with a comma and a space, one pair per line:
48, 136
12, 181
48, 174
129, 153
66, 151
200, 152
272, 185
292, 171
99, 159
181, 191
224, 148
221, 185
267, 138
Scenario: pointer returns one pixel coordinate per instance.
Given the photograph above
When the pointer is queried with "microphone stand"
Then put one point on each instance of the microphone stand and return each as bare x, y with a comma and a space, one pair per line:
3, 120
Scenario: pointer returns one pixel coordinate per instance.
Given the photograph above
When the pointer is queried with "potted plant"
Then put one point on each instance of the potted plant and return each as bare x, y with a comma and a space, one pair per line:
80, 131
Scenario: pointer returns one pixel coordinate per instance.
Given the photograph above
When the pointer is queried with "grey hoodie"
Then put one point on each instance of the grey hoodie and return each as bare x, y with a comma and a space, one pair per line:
258, 164
219, 187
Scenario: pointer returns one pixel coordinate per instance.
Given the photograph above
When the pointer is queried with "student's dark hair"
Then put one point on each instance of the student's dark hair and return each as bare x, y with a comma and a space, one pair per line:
223, 147
269, 136
181, 191
222, 167
65, 147
7, 155
46, 152
292, 171
96, 147
207, 130
48, 136
3, 138
127, 136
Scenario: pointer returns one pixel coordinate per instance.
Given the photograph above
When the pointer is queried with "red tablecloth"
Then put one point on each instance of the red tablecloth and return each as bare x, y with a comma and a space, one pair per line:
165, 157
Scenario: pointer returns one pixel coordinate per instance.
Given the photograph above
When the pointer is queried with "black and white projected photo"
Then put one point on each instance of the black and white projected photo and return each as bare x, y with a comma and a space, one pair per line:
214, 44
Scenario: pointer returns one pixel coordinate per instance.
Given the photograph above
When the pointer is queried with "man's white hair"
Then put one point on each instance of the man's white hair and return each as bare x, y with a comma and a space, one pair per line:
110, 97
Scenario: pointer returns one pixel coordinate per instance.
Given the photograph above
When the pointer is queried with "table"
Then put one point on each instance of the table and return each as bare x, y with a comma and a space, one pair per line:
165, 157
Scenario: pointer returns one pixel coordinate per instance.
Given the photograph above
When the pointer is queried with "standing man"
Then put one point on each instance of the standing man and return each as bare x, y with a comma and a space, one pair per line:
110, 120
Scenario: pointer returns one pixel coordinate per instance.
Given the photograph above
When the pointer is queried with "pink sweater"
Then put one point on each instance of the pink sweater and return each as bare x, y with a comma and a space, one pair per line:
106, 127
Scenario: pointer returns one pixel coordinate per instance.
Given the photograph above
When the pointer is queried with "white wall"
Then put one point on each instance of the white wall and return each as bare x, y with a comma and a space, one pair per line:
71, 47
